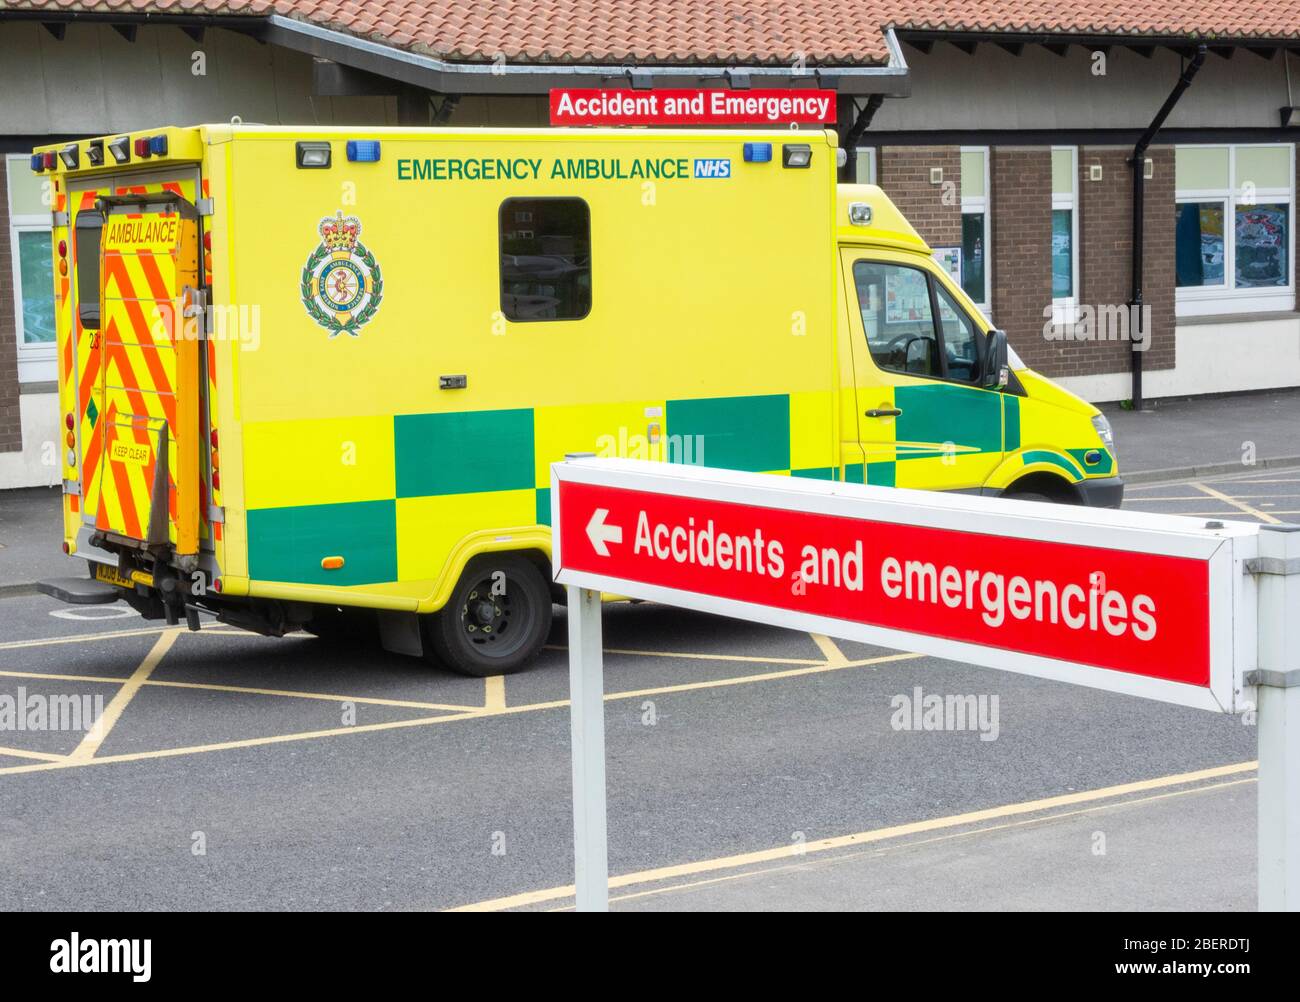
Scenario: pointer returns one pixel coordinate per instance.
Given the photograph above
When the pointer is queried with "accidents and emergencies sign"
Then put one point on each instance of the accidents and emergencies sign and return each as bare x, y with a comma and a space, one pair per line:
1114, 600
701, 106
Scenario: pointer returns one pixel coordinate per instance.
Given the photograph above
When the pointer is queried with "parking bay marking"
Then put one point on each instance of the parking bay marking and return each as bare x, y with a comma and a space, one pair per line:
917, 843
1263, 516
864, 838
90, 744
471, 713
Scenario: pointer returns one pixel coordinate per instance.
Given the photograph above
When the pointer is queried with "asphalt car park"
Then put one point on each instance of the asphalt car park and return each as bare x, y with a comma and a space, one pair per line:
748, 766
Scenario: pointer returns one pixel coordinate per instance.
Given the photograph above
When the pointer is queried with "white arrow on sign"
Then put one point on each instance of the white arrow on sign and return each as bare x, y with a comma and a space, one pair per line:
599, 533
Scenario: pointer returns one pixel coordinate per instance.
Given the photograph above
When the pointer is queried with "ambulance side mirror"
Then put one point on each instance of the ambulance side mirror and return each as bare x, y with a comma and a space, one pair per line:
996, 372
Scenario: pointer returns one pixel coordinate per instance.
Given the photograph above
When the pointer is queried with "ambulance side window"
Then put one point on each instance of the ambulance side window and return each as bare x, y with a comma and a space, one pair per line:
90, 225
545, 259
897, 317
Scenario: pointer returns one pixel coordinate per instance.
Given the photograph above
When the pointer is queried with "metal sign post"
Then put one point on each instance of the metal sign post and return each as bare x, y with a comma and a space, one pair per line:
587, 724
1277, 688
1163, 607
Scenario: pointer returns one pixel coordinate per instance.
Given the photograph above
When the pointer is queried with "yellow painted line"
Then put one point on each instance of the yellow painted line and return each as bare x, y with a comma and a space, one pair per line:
701, 657
107, 679
472, 713
828, 647
113, 711
916, 843
84, 638
24, 753
1263, 516
764, 676
1197, 498
68, 763
1193, 514
494, 693
1277, 480
865, 838
411, 704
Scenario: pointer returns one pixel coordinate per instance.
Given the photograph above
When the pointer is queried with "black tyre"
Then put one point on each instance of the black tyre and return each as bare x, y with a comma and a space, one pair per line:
1031, 496
496, 620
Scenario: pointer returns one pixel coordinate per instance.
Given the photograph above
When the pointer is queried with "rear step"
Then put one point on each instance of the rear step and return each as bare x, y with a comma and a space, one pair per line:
80, 591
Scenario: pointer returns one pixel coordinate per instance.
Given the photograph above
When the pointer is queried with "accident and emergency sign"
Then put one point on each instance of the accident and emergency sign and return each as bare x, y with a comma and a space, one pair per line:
1134, 609
701, 106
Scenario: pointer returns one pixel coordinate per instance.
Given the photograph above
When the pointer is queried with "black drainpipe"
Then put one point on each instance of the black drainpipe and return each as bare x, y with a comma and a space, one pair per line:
850, 141
1138, 165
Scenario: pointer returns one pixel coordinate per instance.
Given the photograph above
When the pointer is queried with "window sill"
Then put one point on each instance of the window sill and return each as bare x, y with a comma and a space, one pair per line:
1236, 318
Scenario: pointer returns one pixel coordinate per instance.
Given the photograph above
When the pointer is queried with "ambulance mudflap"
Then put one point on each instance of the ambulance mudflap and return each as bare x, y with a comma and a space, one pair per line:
147, 493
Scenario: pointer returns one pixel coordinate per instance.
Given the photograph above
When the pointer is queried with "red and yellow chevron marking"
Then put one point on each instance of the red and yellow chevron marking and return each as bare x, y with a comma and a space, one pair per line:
86, 357
138, 373
143, 340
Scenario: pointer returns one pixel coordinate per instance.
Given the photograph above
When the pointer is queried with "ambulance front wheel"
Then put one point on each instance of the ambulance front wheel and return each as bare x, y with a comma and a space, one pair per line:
497, 618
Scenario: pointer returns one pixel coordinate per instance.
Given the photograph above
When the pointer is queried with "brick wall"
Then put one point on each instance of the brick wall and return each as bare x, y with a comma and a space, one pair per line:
1021, 233
934, 209
1022, 241
11, 433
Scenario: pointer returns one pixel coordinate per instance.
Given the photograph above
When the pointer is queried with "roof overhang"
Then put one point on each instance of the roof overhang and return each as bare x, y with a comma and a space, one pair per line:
499, 77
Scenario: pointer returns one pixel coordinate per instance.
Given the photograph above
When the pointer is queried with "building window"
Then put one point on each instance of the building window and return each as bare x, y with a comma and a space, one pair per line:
864, 165
33, 269
1233, 229
1065, 234
545, 259
976, 273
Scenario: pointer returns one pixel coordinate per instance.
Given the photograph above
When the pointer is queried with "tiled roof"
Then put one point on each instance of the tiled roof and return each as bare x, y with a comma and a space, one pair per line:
1226, 19
738, 32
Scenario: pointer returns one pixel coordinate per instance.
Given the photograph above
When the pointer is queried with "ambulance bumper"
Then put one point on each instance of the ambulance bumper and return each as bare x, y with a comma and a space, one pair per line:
1107, 492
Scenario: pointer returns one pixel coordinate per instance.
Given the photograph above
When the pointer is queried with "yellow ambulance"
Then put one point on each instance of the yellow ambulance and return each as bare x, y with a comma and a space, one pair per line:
315, 378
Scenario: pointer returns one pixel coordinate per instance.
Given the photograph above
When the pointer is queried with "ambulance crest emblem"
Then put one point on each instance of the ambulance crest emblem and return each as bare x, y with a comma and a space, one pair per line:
342, 285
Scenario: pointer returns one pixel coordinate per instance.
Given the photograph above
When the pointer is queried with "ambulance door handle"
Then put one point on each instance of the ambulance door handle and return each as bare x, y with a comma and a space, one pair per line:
884, 412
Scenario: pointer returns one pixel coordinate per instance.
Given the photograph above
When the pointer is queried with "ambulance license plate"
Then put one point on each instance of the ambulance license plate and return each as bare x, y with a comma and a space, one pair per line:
111, 575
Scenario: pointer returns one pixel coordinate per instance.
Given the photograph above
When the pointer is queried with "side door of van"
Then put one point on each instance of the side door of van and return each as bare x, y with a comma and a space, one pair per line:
924, 419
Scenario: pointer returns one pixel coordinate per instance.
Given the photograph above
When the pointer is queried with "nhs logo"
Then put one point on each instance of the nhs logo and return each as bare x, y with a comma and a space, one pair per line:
713, 168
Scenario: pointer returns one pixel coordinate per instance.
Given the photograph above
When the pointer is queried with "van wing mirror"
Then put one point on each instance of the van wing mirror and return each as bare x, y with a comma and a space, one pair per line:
996, 371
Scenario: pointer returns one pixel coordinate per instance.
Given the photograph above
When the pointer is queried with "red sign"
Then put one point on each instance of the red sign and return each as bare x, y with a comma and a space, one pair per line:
1140, 613
601, 106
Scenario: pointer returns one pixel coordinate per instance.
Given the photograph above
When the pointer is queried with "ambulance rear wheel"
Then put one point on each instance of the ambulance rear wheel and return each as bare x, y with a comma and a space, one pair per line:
496, 620
1029, 496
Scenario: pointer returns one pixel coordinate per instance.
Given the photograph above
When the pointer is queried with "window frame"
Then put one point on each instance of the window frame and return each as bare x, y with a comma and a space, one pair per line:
932, 284
501, 252
972, 205
1227, 298
867, 154
1065, 309
37, 362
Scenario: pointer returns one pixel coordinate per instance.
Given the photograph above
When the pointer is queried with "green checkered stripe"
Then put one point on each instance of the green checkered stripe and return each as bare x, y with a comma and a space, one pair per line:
988, 422
470, 452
